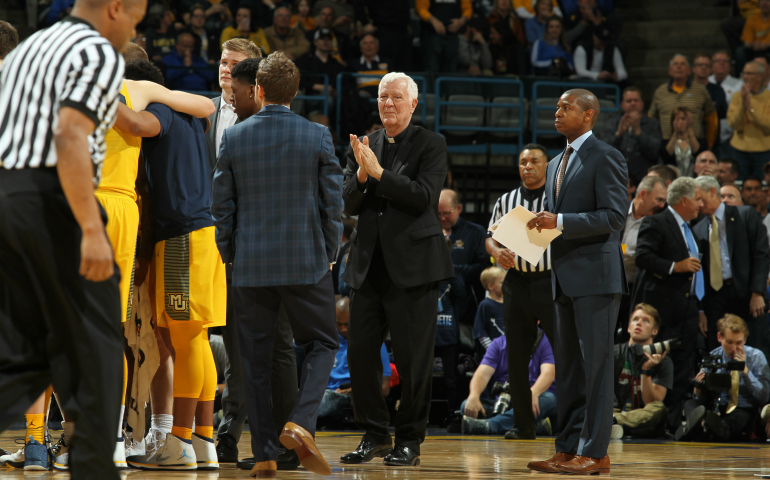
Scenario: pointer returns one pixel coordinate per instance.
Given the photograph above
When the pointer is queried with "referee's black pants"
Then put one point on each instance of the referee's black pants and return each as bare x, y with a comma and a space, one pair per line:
55, 326
527, 298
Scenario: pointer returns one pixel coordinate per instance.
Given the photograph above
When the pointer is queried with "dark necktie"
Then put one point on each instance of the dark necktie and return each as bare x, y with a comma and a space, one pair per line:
563, 169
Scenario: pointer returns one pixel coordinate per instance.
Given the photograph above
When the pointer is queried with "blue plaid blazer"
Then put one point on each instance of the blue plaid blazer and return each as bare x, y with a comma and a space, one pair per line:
277, 200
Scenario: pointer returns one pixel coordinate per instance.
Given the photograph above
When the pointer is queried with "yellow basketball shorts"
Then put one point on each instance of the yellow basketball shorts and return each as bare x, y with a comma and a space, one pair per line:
188, 278
122, 228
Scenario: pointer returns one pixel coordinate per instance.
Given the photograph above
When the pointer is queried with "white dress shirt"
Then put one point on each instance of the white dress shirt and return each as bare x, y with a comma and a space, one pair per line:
575, 147
227, 118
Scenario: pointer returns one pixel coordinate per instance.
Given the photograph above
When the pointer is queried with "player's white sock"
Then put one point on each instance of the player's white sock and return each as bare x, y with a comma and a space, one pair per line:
162, 422
120, 423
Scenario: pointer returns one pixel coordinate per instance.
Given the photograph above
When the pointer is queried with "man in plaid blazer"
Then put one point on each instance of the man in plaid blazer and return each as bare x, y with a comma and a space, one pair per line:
277, 209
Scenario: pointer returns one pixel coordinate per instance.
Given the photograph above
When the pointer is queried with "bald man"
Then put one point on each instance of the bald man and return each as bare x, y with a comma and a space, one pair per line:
731, 195
586, 189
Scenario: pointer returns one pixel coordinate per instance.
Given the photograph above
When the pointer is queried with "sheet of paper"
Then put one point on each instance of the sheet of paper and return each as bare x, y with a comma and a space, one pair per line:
512, 232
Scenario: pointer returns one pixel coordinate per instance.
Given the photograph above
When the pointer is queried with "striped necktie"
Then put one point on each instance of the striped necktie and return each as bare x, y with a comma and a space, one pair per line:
563, 169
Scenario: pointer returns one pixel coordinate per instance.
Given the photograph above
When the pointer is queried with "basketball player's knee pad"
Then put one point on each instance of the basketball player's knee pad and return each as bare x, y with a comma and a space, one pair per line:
188, 364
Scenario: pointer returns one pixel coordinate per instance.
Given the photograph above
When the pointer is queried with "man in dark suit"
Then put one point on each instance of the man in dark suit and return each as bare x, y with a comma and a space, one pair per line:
587, 199
736, 260
670, 279
278, 262
398, 255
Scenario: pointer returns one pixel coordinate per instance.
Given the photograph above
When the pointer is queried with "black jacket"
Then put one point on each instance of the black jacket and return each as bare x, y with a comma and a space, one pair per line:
402, 210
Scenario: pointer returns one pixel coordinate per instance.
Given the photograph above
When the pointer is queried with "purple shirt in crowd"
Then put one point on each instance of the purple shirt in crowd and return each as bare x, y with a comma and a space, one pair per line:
497, 358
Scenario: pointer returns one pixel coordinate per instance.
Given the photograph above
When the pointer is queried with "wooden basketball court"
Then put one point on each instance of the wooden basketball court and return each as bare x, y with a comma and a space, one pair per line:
480, 458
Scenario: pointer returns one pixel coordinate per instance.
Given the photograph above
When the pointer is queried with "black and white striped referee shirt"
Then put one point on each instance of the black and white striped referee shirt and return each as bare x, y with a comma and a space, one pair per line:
533, 201
66, 65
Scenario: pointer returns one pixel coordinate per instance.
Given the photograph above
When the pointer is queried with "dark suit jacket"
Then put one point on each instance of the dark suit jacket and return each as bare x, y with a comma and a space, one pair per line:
749, 251
277, 200
594, 203
402, 210
659, 244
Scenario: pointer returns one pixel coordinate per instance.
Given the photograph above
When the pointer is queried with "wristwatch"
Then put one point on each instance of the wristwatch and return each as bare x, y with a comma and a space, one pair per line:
647, 372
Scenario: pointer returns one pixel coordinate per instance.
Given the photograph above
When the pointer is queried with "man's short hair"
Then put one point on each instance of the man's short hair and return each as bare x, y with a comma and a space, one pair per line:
454, 197
537, 146
682, 187
343, 305
195, 7
376, 40
735, 168
279, 78
664, 171
649, 183
411, 86
723, 52
734, 323
751, 178
282, 7
244, 46
759, 66
586, 100
246, 71
671, 62
701, 54
489, 275
348, 226
182, 34
143, 70
649, 310
134, 52
707, 182
631, 89
9, 38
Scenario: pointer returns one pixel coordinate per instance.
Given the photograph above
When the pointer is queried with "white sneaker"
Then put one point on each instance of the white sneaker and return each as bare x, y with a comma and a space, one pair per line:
15, 460
119, 456
172, 453
205, 452
60, 452
133, 447
617, 432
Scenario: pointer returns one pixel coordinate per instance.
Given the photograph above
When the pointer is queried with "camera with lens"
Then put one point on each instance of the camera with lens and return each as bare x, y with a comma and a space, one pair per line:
714, 381
503, 402
655, 348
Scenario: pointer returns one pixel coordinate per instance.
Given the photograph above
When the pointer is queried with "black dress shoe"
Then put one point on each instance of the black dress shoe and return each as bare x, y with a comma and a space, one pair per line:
717, 426
365, 452
227, 449
402, 457
287, 459
246, 463
516, 434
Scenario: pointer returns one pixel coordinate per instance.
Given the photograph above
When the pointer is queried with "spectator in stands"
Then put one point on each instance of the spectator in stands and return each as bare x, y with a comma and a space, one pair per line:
390, 22
344, 15
160, 33
720, 67
755, 36
282, 38
587, 17
727, 171
490, 323
302, 19
370, 63
474, 56
141, 40
535, 25
205, 46
197, 76
494, 366
442, 22
526, 9
373, 123
753, 195
753, 390
246, 27
320, 61
683, 145
701, 71
667, 173
58, 10
641, 379
483, 8
766, 79
749, 117
9, 39
337, 395
733, 27
218, 15
680, 91
340, 42
507, 41
551, 50
632, 132
598, 59
705, 164
731, 195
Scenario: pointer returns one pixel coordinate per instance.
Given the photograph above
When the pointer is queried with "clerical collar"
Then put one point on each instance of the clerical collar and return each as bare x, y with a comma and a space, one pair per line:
398, 138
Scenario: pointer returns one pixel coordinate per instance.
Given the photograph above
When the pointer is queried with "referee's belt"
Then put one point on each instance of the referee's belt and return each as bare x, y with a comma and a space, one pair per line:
532, 275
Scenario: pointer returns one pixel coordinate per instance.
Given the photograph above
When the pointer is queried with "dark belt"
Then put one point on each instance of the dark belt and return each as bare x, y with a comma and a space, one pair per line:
43, 179
530, 275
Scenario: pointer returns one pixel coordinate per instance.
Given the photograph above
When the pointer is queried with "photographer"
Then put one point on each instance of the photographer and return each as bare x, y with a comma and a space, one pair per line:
494, 367
734, 417
641, 379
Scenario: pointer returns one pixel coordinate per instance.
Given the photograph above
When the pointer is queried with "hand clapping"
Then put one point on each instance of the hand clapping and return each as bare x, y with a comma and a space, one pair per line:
366, 159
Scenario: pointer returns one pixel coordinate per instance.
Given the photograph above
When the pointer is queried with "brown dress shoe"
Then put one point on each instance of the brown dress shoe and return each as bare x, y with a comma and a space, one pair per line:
581, 465
549, 466
298, 439
264, 469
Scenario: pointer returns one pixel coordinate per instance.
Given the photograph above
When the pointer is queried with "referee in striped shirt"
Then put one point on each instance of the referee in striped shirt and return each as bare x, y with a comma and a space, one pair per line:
527, 291
58, 282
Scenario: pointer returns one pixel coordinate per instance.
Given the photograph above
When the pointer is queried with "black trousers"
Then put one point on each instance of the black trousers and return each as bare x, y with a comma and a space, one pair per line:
684, 358
283, 379
527, 298
739, 422
410, 315
311, 313
585, 372
55, 326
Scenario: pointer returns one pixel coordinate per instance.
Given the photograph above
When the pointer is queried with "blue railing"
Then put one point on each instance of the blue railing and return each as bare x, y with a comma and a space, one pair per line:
417, 78
596, 88
517, 90
317, 98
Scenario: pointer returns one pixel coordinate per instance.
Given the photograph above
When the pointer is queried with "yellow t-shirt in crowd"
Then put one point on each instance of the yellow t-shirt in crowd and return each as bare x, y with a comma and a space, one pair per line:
756, 29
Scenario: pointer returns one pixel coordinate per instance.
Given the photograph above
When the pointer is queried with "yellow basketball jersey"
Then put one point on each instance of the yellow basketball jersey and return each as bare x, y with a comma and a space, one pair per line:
121, 164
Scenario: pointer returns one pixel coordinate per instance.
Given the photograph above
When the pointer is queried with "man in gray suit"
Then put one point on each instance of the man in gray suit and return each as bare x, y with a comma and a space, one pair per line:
587, 190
